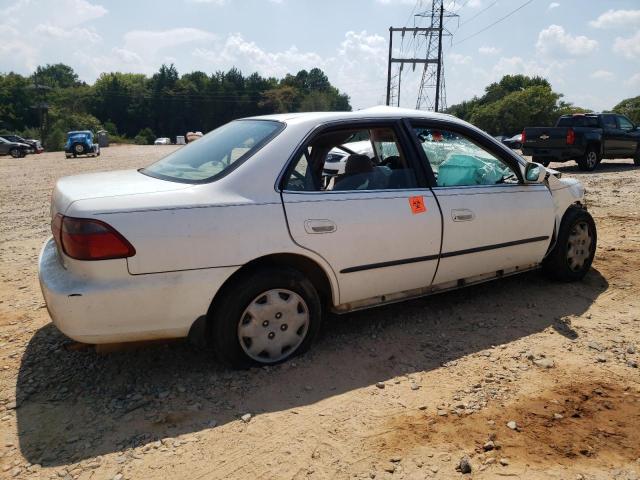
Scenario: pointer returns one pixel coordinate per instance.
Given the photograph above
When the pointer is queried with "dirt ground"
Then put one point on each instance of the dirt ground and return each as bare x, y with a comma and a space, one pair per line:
403, 391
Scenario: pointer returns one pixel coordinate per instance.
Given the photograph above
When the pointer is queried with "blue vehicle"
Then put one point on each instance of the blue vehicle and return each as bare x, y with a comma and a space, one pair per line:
81, 143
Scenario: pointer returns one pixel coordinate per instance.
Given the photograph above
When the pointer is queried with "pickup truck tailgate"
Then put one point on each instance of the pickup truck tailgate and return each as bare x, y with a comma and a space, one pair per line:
545, 137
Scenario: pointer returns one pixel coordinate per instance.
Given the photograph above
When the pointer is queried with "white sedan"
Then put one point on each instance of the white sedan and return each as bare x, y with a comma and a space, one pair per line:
240, 237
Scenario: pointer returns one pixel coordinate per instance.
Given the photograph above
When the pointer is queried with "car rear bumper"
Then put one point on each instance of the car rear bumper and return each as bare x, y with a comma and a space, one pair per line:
555, 154
132, 308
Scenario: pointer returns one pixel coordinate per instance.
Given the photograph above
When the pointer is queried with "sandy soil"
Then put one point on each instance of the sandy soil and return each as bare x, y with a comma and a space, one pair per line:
403, 391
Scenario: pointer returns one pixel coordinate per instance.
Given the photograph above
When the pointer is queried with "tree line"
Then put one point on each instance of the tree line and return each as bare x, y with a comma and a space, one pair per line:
135, 107
518, 101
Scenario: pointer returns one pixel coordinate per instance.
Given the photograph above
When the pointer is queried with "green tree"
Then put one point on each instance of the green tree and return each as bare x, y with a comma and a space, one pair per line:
629, 107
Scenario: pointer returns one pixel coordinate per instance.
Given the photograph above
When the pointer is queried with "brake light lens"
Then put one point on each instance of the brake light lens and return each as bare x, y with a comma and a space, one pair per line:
88, 239
524, 137
571, 136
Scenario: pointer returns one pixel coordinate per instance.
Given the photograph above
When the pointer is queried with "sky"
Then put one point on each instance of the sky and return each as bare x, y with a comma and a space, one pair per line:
588, 49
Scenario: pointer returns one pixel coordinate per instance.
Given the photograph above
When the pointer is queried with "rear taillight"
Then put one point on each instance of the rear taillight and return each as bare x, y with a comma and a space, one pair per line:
524, 137
88, 239
571, 136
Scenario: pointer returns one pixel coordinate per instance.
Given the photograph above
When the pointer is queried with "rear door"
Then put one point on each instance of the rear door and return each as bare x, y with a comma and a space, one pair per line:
629, 141
491, 220
613, 137
377, 225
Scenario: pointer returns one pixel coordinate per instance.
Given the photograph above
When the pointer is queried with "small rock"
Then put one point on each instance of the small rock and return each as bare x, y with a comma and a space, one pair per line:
118, 476
544, 363
631, 349
632, 363
512, 425
490, 445
16, 471
490, 461
465, 465
390, 468
504, 462
558, 416
422, 407
395, 459
415, 386
434, 468
595, 346
380, 384
246, 418
601, 359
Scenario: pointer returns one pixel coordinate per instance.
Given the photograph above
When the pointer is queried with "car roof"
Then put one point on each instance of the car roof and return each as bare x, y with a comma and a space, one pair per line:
76, 132
367, 113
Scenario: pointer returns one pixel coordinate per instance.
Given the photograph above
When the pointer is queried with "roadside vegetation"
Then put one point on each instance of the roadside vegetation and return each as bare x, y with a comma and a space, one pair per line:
135, 108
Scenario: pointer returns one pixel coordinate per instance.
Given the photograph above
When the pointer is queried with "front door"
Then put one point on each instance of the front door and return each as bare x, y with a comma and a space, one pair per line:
491, 220
377, 224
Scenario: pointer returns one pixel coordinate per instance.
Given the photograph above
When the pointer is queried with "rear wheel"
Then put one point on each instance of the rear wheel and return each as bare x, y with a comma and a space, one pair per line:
590, 160
542, 161
571, 257
264, 318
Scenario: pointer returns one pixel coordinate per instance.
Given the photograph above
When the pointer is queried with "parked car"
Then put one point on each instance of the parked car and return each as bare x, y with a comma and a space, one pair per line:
15, 149
162, 141
81, 143
238, 237
336, 159
585, 138
514, 142
36, 146
193, 136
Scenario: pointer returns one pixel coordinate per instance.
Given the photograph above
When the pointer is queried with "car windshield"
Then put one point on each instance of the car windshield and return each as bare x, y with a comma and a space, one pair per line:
216, 153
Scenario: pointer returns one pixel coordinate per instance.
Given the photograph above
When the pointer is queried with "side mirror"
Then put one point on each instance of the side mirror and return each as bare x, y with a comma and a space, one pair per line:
534, 173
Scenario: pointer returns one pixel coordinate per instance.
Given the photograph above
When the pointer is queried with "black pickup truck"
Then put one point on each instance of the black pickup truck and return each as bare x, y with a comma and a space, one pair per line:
585, 138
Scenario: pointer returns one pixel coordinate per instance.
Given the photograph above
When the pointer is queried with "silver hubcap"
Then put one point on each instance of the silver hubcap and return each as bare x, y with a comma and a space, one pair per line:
273, 326
79, 148
579, 246
592, 159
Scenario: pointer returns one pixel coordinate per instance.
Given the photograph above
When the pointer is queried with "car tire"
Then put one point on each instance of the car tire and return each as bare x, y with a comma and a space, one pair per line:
575, 248
22, 154
541, 160
590, 160
15, 152
258, 310
78, 149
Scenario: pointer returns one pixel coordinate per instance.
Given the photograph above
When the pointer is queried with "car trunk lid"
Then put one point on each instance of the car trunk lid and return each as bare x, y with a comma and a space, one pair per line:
106, 184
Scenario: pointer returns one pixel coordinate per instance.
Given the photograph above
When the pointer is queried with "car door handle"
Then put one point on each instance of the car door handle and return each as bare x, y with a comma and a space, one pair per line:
319, 226
462, 215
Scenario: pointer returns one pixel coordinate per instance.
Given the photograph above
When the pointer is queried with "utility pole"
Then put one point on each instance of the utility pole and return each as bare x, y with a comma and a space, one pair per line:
431, 92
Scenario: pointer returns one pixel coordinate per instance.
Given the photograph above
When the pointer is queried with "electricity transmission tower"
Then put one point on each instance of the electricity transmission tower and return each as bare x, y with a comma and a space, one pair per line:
428, 38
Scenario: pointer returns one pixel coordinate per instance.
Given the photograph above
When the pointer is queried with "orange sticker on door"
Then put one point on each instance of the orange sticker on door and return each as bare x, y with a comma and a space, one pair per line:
417, 204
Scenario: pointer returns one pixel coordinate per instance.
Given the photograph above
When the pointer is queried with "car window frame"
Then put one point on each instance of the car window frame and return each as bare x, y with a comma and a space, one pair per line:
605, 116
618, 117
487, 143
396, 124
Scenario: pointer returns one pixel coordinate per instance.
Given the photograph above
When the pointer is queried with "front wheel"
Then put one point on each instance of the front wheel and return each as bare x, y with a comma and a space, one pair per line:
15, 152
264, 318
571, 257
590, 160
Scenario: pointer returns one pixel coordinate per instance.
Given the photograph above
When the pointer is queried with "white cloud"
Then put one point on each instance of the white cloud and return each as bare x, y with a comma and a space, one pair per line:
148, 42
602, 75
554, 42
75, 33
634, 81
617, 19
553, 5
628, 47
458, 59
485, 50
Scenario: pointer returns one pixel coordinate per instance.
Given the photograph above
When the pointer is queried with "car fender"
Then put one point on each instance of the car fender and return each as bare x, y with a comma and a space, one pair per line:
565, 193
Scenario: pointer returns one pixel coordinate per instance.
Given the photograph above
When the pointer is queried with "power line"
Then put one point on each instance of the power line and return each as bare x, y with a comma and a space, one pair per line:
479, 13
494, 23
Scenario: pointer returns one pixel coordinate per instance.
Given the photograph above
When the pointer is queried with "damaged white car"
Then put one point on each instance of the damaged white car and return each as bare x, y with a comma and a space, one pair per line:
241, 237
